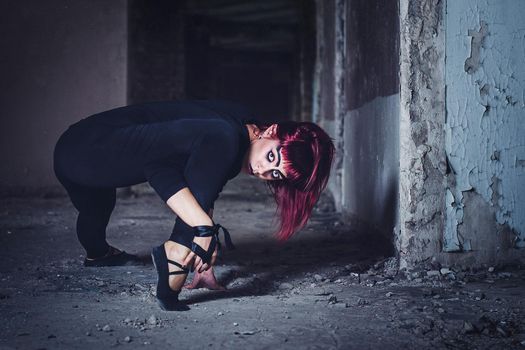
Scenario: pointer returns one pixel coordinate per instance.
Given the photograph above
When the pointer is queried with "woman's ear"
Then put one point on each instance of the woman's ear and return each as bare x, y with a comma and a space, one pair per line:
271, 132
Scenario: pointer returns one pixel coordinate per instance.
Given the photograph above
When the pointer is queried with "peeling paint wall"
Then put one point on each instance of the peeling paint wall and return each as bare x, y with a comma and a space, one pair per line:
485, 126
461, 132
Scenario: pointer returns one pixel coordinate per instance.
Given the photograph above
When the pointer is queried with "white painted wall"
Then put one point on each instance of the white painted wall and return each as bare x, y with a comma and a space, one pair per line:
61, 61
485, 128
371, 162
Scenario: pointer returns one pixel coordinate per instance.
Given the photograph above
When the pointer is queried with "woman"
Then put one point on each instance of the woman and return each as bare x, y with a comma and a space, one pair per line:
187, 151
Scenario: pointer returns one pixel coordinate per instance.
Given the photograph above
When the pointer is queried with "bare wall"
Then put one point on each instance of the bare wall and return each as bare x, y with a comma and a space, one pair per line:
60, 61
356, 99
371, 122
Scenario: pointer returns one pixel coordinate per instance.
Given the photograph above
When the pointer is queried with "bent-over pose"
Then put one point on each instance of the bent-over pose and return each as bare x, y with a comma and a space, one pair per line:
187, 151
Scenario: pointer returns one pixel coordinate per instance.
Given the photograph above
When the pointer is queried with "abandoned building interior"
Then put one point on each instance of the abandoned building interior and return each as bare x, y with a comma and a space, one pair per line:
424, 99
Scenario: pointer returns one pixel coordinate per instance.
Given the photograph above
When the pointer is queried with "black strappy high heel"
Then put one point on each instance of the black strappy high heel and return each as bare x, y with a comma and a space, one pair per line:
213, 232
167, 298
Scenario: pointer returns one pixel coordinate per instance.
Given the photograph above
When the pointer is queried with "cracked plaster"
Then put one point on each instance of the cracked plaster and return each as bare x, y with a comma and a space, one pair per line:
485, 45
422, 115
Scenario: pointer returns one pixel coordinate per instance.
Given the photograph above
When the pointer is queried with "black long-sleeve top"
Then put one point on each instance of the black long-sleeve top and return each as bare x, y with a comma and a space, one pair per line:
172, 145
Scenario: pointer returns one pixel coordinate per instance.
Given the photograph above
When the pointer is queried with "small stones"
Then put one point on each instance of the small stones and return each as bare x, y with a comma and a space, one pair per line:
140, 287
502, 332
363, 277
433, 273
127, 339
504, 274
468, 328
445, 271
235, 324
491, 269
220, 313
152, 320
415, 274
318, 278
285, 285
362, 302
332, 300
389, 294
480, 297
441, 310
107, 328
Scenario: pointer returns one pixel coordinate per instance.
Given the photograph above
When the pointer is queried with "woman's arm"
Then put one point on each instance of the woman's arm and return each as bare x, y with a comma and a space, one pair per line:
184, 204
205, 172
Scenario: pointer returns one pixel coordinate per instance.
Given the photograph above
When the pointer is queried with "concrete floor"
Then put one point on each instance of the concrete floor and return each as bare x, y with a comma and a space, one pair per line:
330, 287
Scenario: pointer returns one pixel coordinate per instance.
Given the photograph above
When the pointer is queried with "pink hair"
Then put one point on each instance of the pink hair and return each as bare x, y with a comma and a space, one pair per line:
308, 153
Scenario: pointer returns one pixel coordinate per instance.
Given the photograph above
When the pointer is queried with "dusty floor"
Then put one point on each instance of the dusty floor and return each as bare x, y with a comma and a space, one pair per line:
328, 288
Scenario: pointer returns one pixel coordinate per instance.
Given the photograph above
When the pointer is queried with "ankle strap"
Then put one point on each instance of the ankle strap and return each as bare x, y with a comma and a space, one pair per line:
227, 237
208, 231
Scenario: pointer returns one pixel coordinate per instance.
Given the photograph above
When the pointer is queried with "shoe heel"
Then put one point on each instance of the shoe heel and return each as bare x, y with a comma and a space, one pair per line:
172, 305
167, 298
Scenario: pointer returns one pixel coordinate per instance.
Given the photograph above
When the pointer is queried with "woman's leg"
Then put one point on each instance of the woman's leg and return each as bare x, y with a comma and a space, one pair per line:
94, 207
179, 244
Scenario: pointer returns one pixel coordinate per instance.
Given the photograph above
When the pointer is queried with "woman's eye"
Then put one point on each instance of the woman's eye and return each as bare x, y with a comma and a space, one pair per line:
271, 157
275, 174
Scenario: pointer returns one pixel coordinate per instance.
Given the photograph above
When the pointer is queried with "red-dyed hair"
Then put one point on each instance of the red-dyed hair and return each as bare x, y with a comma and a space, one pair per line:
308, 153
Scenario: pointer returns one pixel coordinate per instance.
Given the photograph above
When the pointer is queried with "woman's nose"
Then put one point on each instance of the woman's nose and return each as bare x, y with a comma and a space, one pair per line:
260, 168
263, 167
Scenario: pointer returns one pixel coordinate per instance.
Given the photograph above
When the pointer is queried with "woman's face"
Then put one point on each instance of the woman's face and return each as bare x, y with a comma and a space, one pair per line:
265, 160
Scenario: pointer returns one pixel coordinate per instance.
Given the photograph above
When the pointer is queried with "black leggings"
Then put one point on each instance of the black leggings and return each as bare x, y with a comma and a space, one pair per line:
95, 205
92, 188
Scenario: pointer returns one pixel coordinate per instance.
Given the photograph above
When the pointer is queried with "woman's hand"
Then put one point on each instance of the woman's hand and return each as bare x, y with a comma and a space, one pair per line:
198, 264
184, 204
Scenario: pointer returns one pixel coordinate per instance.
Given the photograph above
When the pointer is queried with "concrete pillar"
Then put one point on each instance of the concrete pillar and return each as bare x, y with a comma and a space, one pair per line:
324, 96
422, 139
